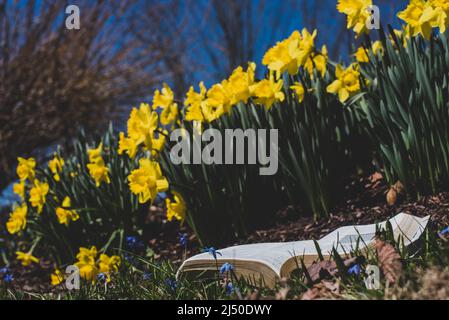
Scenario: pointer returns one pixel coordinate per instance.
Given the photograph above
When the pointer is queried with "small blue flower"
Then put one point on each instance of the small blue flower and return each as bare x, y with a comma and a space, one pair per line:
226, 268
229, 288
212, 251
133, 243
102, 277
183, 239
4, 270
161, 196
8, 278
171, 284
354, 270
147, 276
444, 232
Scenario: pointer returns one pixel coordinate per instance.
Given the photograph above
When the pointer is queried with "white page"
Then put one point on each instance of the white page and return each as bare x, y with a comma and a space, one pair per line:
271, 254
407, 226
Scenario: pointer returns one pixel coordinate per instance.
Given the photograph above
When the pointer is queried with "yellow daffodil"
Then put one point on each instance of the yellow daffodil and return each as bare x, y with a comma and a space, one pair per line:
361, 54
284, 55
218, 101
127, 145
86, 263
159, 142
19, 189
268, 91
38, 195
169, 115
26, 258
239, 83
87, 256
64, 214
95, 154
347, 83
177, 208
194, 102
377, 47
291, 53
442, 14
147, 181
56, 277
55, 166
163, 98
299, 90
108, 264
421, 17
25, 169
317, 60
17, 220
141, 125
97, 168
357, 13
306, 45
99, 172
212, 112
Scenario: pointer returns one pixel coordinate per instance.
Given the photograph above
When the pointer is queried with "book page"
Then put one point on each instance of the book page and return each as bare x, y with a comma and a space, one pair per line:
271, 254
344, 239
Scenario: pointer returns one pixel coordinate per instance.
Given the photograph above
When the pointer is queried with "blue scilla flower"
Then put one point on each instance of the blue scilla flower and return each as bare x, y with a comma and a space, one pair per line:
147, 276
8, 278
131, 241
134, 243
354, 270
4, 270
229, 288
212, 251
171, 284
227, 267
161, 196
183, 239
444, 232
102, 277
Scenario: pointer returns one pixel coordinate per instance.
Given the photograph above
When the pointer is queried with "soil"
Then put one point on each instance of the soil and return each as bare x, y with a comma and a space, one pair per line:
365, 204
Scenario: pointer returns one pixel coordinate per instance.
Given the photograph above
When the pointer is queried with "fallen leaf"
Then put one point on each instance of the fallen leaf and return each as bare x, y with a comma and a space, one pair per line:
326, 269
389, 260
322, 270
323, 290
375, 177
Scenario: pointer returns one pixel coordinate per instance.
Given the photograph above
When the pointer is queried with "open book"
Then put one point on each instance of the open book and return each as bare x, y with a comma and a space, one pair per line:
268, 261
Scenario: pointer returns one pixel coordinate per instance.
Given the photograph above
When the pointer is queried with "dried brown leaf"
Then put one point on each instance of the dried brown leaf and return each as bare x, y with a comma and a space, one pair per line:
375, 177
389, 260
322, 270
323, 290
